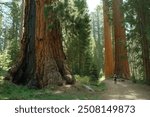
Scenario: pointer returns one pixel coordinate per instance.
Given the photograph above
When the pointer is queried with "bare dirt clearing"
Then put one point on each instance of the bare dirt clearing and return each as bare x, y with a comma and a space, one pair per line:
125, 91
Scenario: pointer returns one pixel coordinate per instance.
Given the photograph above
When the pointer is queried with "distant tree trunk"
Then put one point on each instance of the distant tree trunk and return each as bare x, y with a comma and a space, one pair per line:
22, 19
42, 60
99, 41
143, 26
121, 59
109, 62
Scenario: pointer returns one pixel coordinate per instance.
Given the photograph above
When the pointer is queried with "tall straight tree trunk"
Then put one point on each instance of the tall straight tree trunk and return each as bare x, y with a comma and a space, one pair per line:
42, 60
121, 58
22, 19
98, 42
109, 62
143, 26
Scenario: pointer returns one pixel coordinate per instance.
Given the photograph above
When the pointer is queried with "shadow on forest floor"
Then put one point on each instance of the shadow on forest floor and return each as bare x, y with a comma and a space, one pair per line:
9, 91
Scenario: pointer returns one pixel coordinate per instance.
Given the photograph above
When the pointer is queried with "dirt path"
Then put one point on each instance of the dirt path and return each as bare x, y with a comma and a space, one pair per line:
125, 90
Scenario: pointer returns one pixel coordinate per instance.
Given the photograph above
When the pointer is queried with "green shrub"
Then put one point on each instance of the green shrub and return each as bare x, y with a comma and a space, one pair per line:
82, 79
4, 62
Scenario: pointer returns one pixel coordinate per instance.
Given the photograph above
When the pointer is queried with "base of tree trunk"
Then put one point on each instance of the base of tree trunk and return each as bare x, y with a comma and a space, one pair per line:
57, 73
42, 59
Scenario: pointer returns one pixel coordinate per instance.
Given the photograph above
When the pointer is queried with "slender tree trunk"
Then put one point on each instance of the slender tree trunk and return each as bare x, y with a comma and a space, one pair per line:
22, 19
42, 60
121, 58
96, 52
109, 62
99, 42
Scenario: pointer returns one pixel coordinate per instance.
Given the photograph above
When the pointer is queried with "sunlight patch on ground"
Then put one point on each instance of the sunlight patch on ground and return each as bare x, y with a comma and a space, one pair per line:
1, 80
101, 79
58, 92
5, 98
68, 86
116, 97
130, 97
123, 85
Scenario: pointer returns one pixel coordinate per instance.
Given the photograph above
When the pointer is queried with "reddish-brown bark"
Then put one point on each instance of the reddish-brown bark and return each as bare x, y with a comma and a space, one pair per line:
121, 58
42, 60
50, 58
109, 62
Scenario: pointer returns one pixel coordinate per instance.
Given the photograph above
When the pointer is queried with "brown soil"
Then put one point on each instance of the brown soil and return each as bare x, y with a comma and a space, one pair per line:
125, 90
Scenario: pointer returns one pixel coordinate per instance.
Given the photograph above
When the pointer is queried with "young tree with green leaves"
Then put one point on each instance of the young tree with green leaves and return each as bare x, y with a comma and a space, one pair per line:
79, 49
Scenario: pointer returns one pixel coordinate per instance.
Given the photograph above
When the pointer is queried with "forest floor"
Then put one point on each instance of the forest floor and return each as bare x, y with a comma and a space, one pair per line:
79, 91
106, 90
125, 90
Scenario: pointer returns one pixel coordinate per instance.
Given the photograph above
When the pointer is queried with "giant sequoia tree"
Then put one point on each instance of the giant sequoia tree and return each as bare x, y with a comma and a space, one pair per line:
121, 59
42, 60
143, 26
109, 62
137, 14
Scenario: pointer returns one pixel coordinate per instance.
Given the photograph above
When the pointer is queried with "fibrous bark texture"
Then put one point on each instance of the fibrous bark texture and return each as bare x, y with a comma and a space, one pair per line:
109, 62
42, 61
121, 59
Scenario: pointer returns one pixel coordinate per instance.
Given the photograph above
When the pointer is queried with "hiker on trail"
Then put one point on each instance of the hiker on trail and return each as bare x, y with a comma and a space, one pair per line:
115, 78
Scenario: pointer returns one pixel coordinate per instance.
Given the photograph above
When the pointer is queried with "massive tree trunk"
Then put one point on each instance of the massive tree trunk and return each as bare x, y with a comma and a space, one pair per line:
109, 62
42, 60
121, 59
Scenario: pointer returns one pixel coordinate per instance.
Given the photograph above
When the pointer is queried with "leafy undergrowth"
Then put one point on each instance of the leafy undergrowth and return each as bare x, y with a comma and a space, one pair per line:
9, 91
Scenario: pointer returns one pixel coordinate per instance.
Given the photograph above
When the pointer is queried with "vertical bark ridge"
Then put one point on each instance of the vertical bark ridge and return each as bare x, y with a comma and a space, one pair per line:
42, 60
24, 69
121, 58
50, 58
109, 62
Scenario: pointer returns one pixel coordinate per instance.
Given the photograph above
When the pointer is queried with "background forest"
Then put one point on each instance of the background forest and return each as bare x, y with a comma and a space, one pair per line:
113, 39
